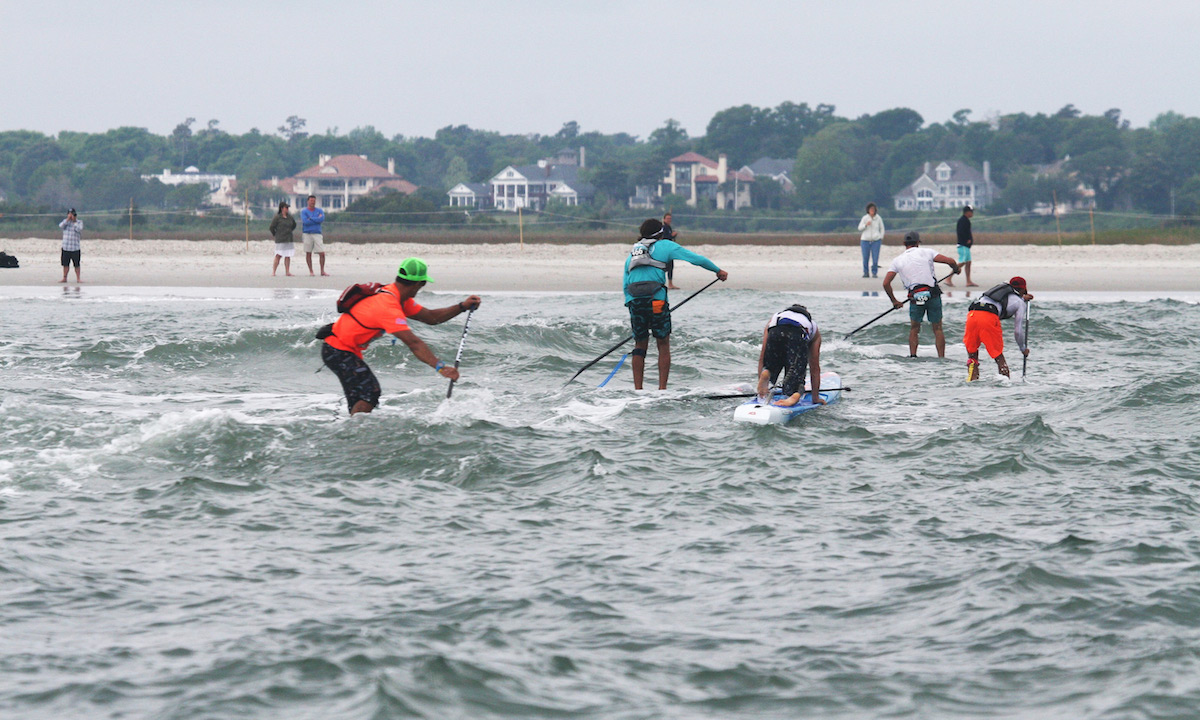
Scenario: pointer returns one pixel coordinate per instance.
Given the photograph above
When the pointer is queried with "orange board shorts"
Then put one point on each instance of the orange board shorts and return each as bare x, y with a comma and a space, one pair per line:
983, 327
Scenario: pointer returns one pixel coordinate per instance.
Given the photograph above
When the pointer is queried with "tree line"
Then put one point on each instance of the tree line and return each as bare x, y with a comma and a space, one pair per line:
840, 163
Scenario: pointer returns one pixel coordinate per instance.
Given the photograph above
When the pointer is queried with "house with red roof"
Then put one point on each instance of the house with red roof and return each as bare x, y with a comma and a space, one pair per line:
339, 180
696, 178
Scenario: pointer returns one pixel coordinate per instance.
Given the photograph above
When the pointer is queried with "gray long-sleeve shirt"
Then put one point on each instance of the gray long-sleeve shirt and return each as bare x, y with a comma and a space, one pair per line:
1016, 309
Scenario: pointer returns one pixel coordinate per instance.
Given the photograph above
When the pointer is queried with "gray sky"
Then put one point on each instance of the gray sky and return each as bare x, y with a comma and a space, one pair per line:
611, 65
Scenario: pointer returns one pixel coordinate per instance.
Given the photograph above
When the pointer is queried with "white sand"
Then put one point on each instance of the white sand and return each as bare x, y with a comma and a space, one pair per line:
481, 268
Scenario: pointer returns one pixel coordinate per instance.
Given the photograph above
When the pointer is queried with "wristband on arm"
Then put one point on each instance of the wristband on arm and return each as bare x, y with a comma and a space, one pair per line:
438, 368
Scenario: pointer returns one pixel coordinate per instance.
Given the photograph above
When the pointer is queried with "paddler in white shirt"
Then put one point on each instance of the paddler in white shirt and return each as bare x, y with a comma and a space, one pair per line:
791, 342
915, 268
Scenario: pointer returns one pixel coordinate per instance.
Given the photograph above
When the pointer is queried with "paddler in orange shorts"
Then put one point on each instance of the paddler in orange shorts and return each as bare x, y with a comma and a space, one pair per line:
1007, 300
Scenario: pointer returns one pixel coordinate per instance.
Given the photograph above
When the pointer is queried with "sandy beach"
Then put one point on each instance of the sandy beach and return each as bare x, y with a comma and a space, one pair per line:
556, 268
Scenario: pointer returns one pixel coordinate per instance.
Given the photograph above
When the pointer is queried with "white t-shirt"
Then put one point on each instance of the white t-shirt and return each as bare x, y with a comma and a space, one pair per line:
915, 267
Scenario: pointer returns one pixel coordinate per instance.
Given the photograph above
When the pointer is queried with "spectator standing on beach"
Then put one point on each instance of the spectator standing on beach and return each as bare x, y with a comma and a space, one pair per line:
871, 226
311, 218
282, 227
669, 234
72, 228
965, 240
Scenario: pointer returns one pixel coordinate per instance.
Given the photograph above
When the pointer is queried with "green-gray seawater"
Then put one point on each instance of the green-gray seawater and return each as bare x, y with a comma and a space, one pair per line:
191, 526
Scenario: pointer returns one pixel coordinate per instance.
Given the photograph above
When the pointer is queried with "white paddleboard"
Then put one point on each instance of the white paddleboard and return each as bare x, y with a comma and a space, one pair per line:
752, 411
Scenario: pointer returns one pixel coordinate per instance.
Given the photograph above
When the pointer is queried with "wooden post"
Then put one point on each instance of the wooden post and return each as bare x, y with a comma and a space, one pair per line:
131, 218
1092, 218
1057, 223
521, 226
246, 212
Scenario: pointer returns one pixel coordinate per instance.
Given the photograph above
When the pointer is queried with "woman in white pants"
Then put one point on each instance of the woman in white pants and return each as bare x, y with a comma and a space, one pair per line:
871, 226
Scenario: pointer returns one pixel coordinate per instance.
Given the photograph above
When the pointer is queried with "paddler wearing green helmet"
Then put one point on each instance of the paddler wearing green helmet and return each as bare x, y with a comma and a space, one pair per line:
369, 310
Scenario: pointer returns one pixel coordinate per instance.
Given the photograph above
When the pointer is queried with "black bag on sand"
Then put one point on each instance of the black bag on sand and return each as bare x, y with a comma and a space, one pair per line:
8, 261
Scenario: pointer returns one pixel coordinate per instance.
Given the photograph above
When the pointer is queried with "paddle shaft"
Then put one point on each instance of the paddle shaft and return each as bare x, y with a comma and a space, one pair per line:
461, 343
616, 347
885, 312
1025, 358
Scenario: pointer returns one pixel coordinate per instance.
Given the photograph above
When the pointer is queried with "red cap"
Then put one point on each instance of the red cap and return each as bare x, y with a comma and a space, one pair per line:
1018, 282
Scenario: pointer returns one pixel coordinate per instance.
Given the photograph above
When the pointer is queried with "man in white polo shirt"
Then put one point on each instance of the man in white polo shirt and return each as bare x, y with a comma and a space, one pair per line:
915, 268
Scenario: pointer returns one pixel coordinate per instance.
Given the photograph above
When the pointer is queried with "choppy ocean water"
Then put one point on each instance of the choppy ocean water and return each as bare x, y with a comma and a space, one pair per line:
191, 527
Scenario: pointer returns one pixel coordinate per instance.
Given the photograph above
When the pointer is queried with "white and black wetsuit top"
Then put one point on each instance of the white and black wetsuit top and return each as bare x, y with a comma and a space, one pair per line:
793, 318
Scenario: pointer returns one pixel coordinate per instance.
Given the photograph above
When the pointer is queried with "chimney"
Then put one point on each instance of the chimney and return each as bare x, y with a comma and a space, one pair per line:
582, 156
926, 167
364, 157
987, 173
541, 163
722, 167
391, 166
322, 159
274, 181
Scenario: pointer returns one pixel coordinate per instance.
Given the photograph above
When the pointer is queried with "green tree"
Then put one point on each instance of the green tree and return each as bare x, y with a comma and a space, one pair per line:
893, 124
671, 135
611, 180
57, 192
569, 131
180, 138
292, 129
456, 172
1021, 192
44, 155
1187, 199
1103, 170
739, 132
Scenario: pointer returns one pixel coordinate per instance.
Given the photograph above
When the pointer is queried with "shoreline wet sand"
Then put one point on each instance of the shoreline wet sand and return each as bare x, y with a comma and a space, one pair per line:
586, 267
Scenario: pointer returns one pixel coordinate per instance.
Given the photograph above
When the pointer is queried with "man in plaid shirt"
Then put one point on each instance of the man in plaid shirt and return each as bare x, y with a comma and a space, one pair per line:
72, 229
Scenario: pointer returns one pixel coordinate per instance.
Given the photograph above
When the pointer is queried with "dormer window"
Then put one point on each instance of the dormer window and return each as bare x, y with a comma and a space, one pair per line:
943, 173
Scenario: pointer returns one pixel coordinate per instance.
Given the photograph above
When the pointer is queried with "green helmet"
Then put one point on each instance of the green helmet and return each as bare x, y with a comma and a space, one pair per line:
414, 270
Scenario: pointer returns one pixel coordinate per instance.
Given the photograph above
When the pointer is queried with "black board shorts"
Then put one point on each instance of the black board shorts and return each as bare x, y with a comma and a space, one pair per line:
358, 382
645, 321
787, 349
71, 256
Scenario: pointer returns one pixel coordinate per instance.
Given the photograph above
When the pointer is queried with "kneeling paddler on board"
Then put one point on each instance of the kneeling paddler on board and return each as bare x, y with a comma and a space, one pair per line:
791, 343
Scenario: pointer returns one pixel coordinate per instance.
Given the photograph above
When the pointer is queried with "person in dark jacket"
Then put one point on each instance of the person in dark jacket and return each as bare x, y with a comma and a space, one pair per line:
965, 240
282, 226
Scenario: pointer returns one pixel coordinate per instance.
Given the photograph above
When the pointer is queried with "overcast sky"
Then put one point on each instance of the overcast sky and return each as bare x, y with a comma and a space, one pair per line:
518, 66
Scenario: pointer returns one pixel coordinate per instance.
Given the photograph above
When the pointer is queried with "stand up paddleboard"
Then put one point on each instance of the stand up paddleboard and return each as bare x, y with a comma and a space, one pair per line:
752, 411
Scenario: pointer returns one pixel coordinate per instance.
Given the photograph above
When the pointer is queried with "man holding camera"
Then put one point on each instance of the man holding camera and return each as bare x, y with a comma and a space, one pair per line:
72, 229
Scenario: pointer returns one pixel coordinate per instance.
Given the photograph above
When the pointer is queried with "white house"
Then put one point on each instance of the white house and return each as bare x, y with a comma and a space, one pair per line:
473, 195
951, 184
339, 180
694, 177
532, 186
191, 175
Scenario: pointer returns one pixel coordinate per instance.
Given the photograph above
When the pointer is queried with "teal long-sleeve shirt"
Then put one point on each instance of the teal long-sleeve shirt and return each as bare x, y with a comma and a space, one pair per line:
663, 251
